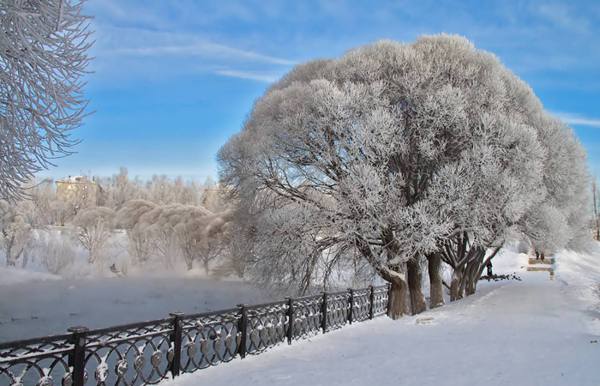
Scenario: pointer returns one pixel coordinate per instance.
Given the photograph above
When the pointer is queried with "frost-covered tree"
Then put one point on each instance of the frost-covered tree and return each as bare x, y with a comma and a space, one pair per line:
15, 232
173, 230
128, 217
43, 56
213, 197
94, 229
188, 225
561, 219
484, 195
163, 191
41, 195
394, 152
162, 225
201, 236
55, 252
114, 192
155, 228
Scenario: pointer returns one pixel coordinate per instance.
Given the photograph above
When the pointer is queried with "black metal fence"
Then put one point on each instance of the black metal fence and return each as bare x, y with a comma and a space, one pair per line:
148, 352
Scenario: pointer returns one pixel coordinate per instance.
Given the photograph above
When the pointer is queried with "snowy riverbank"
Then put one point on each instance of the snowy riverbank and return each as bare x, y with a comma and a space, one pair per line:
533, 332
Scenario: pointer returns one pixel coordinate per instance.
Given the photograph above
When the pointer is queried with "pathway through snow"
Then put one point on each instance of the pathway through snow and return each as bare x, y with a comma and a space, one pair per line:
533, 332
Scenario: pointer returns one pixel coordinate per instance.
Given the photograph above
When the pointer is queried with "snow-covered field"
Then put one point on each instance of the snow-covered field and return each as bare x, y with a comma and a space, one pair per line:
536, 331
34, 303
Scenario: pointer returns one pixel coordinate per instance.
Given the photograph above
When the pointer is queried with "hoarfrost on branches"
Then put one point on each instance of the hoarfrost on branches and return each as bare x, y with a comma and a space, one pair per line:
43, 56
389, 155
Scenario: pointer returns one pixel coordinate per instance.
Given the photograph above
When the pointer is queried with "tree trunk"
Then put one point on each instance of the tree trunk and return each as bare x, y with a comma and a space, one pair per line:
417, 300
11, 261
436, 287
206, 268
471, 277
91, 256
397, 299
455, 286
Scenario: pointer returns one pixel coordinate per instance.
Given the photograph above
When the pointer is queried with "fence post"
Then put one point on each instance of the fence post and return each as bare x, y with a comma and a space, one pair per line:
290, 315
77, 356
176, 340
371, 301
324, 313
351, 310
243, 329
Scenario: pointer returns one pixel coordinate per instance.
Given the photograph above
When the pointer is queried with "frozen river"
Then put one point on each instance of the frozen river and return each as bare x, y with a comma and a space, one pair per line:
40, 308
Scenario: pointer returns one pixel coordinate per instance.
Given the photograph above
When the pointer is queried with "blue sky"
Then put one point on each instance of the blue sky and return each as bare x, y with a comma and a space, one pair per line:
174, 79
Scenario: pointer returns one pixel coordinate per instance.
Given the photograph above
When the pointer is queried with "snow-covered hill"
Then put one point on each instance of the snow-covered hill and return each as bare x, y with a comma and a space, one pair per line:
536, 331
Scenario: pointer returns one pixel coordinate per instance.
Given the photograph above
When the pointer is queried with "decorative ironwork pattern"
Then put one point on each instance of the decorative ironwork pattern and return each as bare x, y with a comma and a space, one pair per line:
209, 339
307, 316
380, 301
43, 361
136, 354
267, 326
338, 306
148, 352
361, 304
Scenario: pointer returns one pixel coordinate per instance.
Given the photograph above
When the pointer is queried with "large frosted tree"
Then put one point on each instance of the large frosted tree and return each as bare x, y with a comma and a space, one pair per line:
389, 155
562, 218
43, 56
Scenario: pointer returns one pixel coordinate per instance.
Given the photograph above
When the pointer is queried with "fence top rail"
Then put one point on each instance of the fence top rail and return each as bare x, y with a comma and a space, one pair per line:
263, 305
338, 293
308, 297
210, 313
125, 327
39, 340
29, 355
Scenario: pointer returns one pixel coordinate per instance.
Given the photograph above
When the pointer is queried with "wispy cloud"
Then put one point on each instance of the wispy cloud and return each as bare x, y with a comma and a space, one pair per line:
562, 15
206, 49
578, 120
250, 75
128, 53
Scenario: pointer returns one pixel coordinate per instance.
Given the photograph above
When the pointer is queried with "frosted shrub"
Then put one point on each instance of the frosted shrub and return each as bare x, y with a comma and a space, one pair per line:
56, 254
15, 233
94, 227
139, 243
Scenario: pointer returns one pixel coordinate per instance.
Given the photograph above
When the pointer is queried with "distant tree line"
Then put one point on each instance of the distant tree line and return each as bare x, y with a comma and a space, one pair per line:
165, 219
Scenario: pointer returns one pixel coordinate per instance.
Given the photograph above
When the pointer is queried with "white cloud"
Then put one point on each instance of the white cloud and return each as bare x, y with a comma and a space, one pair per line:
135, 52
257, 76
578, 120
205, 49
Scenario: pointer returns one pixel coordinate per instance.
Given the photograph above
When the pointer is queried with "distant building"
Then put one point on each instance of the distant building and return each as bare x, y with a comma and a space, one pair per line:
79, 191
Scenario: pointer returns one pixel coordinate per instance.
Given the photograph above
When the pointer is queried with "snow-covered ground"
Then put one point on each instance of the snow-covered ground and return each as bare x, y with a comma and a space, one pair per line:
536, 331
34, 304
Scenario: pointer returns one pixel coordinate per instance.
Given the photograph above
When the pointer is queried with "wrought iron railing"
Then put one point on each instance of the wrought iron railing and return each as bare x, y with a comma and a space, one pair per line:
148, 352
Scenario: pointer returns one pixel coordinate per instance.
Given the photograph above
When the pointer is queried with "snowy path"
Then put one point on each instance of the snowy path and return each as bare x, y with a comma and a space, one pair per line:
534, 332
